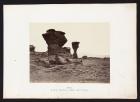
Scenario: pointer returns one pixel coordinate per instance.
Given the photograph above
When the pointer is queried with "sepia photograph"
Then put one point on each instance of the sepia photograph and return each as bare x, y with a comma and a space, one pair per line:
69, 52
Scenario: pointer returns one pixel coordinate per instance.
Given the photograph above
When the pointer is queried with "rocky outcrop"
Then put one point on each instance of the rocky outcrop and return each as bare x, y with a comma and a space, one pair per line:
32, 48
75, 46
54, 38
57, 54
84, 57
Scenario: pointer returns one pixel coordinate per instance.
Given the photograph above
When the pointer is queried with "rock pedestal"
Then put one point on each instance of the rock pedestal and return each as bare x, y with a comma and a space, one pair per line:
55, 41
75, 46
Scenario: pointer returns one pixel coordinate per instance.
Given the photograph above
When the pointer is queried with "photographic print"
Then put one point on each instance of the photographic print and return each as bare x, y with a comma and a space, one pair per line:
69, 52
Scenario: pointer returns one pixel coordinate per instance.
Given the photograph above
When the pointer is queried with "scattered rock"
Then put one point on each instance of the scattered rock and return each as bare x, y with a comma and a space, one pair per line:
84, 57
32, 48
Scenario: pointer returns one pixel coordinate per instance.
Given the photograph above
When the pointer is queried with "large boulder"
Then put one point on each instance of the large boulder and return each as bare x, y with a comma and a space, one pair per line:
54, 37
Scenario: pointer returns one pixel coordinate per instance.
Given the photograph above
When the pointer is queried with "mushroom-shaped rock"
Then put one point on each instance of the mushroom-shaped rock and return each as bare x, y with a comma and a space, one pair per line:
55, 37
75, 46
55, 41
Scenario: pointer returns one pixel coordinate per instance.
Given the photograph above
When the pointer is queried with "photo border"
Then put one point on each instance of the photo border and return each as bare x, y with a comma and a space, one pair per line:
10, 2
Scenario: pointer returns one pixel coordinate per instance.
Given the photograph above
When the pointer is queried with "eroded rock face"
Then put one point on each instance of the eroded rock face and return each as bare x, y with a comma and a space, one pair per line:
57, 54
75, 46
55, 37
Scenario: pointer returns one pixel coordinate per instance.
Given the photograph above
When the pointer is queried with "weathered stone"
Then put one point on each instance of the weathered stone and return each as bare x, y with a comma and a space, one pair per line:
55, 37
32, 48
77, 61
84, 57
75, 46
43, 62
60, 60
55, 40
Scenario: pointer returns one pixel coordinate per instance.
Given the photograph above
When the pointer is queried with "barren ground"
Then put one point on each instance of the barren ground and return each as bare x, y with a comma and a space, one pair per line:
90, 70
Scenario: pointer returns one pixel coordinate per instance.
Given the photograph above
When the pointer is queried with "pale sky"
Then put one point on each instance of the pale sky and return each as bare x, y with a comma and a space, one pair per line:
94, 38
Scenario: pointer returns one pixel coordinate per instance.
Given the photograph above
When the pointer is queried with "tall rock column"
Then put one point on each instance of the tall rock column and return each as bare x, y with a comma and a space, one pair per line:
75, 46
55, 40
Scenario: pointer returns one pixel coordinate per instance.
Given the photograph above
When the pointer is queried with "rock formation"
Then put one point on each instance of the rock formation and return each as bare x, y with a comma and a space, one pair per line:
84, 57
55, 41
56, 38
32, 48
75, 46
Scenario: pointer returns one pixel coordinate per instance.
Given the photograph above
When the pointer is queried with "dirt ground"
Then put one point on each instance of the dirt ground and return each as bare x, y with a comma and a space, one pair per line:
91, 70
